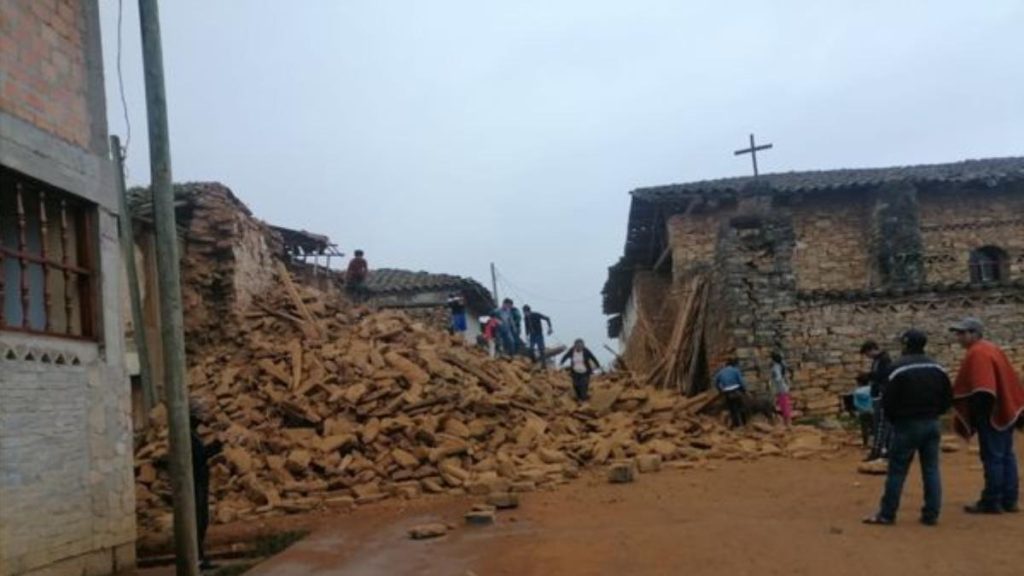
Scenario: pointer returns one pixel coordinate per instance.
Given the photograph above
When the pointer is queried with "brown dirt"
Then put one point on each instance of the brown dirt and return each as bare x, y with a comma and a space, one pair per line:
768, 517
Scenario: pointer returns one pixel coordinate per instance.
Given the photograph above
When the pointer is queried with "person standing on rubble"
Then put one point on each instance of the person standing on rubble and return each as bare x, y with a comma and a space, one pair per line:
201, 455
508, 329
877, 378
917, 394
355, 276
490, 334
457, 307
535, 333
729, 382
989, 401
517, 326
583, 365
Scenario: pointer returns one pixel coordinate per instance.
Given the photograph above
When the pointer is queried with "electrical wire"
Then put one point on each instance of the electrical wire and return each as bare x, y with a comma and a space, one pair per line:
120, 84
508, 288
538, 296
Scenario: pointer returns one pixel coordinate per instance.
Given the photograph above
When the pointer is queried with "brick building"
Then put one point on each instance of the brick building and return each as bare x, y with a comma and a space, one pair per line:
66, 486
813, 263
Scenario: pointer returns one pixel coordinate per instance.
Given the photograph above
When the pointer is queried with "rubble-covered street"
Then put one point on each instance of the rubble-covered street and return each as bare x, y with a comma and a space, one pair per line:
765, 517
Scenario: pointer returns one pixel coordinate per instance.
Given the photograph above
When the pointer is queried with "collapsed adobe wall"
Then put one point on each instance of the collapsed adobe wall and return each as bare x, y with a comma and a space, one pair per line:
228, 259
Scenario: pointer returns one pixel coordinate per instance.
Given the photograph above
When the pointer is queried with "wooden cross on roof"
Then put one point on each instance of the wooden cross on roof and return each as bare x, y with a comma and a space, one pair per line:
753, 152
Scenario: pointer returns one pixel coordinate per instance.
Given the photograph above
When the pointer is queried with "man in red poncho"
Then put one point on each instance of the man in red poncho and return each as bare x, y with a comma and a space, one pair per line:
989, 400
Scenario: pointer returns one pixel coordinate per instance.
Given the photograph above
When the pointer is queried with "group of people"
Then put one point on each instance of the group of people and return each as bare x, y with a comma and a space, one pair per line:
730, 383
907, 399
502, 334
911, 395
503, 331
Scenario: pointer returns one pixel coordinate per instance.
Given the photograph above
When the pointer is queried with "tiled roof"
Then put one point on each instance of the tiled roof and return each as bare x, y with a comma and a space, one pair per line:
395, 281
991, 170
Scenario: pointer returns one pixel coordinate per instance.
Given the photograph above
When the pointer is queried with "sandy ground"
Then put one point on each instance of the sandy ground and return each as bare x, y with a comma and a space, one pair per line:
768, 517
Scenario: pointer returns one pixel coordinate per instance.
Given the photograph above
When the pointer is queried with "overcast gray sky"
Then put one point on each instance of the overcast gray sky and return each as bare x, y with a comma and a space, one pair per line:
445, 135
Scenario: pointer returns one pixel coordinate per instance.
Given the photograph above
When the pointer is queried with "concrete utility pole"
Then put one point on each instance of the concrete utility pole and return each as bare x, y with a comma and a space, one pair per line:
494, 284
172, 329
127, 230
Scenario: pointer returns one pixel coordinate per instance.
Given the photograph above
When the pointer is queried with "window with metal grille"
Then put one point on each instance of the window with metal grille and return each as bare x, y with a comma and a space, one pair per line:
47, 272
989, 264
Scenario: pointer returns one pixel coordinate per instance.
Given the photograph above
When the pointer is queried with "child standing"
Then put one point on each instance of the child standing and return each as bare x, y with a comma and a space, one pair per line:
780, 385
491, 335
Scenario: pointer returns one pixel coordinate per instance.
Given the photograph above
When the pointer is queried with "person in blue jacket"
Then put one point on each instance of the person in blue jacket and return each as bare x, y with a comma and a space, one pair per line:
729, 382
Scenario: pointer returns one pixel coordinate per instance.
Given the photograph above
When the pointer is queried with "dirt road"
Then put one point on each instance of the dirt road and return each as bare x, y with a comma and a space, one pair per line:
764, 518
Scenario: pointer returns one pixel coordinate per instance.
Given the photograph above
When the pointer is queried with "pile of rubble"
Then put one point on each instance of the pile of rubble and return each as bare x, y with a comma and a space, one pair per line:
321, 404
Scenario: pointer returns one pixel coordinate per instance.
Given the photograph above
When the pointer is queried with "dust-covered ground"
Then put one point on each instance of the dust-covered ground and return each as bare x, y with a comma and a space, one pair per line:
772, 516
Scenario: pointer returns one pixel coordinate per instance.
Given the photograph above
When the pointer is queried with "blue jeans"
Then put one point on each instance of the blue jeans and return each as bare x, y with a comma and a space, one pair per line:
508, 341
1001, 479
908, 437
537, 347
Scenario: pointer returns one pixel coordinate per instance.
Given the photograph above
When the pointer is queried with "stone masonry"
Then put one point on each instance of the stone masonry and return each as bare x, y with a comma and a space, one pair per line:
66, 478
812, 264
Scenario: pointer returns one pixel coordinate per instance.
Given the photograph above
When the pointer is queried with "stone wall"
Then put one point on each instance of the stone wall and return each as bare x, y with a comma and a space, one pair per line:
832, 236
813, 276
823, 337
955, 222
755, 270
692, 240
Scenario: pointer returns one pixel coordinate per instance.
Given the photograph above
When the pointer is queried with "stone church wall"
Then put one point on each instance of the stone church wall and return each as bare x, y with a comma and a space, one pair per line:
692, 240
823, 337
815, 276
956, 222
832, 236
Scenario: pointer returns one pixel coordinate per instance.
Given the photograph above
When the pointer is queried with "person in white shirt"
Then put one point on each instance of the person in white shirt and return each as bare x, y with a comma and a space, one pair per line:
583, 365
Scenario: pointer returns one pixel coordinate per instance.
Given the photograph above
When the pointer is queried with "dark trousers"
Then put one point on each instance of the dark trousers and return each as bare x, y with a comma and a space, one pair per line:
909, 437
1002, 485
581, 386
202, 516
357, 291
883, 432
737, 411
537, 347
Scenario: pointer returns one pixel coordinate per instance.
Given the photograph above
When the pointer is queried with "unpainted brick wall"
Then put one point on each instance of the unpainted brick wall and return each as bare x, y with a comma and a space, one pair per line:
957, 222
43, 66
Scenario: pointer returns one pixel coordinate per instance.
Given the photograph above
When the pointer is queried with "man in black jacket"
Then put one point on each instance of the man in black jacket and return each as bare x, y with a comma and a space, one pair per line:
917, 393
201, 454
877, 379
